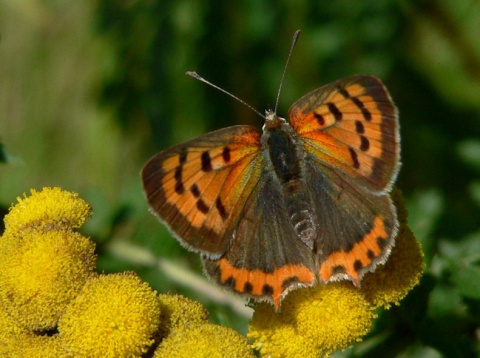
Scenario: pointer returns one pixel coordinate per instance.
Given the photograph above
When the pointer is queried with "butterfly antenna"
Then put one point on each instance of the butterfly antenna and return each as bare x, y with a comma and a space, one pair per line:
200, 78
294, 41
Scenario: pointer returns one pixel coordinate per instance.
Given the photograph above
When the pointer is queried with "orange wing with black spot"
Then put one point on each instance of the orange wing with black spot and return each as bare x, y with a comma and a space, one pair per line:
197, 188
350, 132
351, 125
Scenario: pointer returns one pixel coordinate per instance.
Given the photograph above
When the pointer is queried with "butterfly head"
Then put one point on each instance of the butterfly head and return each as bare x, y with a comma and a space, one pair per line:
272, 120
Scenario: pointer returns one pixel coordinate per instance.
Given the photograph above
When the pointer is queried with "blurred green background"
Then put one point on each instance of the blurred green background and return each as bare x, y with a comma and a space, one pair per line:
89, 90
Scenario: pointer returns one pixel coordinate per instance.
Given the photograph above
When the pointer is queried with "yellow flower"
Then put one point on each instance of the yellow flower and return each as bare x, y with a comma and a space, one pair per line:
41, 274
10, 334
8, 326
178, 311
49, 209
114, 315
204, 340
312, 322
31, 346
16, 341
391, 282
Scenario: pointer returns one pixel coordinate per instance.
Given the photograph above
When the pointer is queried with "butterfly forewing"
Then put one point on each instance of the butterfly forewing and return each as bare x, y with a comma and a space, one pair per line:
351, 125
198, 187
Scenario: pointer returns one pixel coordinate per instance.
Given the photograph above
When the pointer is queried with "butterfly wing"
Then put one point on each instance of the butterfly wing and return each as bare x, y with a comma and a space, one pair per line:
352, 125
356, 227
266, 259
349, 130
198, 188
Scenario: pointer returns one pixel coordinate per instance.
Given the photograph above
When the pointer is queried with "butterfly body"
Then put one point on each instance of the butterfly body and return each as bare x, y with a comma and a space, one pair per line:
306, 201
284, 156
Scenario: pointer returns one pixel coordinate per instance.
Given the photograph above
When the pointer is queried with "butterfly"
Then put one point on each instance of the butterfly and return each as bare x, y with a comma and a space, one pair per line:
302, 202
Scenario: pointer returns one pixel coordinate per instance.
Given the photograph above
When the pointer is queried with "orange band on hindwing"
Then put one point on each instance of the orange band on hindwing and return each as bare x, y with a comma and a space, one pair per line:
362, 254
258, 283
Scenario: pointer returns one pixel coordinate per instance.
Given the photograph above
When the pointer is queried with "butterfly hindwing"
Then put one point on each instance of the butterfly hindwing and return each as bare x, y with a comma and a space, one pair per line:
357, 227
197, 187
351, 125
266, 258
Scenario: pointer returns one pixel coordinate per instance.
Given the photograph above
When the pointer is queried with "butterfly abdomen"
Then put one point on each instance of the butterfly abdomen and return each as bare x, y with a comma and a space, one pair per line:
301, 218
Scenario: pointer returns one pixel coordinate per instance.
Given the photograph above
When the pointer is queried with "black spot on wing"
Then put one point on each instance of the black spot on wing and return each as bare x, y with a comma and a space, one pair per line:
206, 162
319, 118
221, 209
353, 154
364, 143
335, 111
359, 127
202, 206
182, 158
267, 290
344, 92
339, 269
195, 191
226, 154
248, 287
179, 187
357, 265
381, 242
365, 112
229, 282
289, 281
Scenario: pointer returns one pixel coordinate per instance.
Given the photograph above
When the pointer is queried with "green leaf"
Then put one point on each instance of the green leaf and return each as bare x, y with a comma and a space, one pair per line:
467, 278
474, 189
424, 211
463, 262
469, 152
444, 300
466, 249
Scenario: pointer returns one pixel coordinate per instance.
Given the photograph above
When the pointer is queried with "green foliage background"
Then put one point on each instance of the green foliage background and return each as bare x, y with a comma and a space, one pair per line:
89, 90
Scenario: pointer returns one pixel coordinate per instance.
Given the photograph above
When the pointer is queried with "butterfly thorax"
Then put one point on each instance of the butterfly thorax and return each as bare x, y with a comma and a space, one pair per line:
285, 158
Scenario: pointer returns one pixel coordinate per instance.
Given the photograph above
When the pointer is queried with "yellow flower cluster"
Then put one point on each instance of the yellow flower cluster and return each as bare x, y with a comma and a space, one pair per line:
41, 211
187, 333
178, 312
53, 304
116, 314
204, 341
43, 262
317, 321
